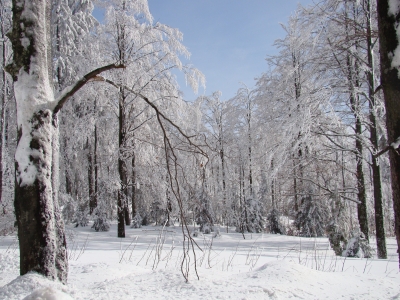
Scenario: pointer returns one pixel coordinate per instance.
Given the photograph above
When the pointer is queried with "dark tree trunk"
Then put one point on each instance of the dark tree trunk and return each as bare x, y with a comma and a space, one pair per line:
68, 180
126, 212
96, 168
390, 82
298, 186
92, 204
353, 83
123, 211
295, 189
121, 203
169, 208
362, 206
68, 183
3, 101
224, 204
122, 168
246, 217
376, 172
273, 187
133, 198
40, 226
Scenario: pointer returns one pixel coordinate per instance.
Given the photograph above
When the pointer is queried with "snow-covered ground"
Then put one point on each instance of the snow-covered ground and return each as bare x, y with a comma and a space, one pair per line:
146, 265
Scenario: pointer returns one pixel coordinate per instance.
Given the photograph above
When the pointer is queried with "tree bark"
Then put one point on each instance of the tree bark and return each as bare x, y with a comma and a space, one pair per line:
3, 96
40, 226
92, 204
133, 197
122, 168
389, 42
96, 168
353, 84
376, 172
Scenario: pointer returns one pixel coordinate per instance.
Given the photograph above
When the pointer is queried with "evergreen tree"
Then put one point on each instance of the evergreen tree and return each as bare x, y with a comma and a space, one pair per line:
274, 224
311, 217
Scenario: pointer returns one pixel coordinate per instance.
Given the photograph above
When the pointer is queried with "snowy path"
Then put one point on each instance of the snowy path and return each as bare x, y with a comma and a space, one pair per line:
261, 267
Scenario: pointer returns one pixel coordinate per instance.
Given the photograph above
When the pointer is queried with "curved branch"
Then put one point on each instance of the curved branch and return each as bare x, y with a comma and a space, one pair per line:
72, 89
147, 100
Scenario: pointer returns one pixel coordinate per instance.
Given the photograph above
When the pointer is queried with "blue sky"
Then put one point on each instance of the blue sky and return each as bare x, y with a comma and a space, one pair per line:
228, 39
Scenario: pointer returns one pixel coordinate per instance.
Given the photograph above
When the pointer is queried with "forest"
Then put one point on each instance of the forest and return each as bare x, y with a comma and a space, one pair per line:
95, 131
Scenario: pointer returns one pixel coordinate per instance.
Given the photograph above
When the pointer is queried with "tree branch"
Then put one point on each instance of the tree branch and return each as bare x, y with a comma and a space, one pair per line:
378, 89
158, 112
72, 89
393, 146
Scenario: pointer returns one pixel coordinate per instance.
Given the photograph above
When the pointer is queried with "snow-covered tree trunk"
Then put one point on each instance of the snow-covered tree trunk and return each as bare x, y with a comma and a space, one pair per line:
40, 226
389, 41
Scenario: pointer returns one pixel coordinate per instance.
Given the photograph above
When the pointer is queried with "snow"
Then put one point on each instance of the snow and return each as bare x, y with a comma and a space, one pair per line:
33, 91
42, 289
394, 7
47, 294
24, 91
263, 266
30, 99
396, 143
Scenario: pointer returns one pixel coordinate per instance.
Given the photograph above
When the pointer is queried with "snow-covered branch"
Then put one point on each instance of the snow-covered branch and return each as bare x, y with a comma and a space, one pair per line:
72, 89
393, 146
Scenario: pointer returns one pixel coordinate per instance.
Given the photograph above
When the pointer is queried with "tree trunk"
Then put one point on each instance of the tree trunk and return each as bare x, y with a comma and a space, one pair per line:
133, 198
376, 172
122, 168
169, 207
96, 168
92, 204
295, 189
222, 157
353, 83
388, 41
272, 187
4, 95
40, 226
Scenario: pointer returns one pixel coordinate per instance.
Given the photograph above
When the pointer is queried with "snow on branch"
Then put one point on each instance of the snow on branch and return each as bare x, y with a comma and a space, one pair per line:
72, 89
156, 109
393, 146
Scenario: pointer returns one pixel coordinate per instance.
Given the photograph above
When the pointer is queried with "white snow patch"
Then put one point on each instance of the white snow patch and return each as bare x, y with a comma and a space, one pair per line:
396, 143
25, 42
47, 294
394, 8
263, 266
33, 286
31, 94
33, 91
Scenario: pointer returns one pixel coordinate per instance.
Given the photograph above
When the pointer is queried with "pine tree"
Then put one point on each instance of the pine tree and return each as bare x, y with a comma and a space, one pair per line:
311, 217
274, 224
204, 216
